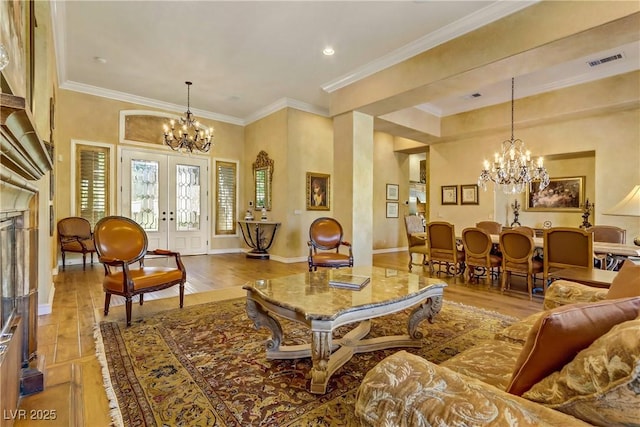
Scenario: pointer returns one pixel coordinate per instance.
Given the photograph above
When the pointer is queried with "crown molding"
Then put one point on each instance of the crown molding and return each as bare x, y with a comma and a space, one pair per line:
482, 17
126, 97
286, 103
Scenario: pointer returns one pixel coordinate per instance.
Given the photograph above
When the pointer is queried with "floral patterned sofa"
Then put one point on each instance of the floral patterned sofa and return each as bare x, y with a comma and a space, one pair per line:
575, 363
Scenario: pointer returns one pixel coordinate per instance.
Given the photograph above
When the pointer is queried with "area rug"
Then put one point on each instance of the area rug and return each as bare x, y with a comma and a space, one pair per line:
205, 365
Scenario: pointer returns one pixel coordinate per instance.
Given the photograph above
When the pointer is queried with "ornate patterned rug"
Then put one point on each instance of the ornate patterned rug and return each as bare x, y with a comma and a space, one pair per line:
205, 365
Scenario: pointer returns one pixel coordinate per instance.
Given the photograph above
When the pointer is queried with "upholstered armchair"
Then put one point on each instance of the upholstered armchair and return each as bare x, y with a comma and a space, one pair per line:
443, 249
477, 253
121, 243
609, 234
75, 235
416, 238
490, 227
517, 257
566, 247
325, 240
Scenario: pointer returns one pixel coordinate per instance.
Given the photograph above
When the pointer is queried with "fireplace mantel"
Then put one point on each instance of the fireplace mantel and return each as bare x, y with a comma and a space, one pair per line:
21, 149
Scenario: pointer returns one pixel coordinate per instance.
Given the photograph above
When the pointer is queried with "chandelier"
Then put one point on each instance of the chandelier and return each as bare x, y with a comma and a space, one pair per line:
190, 135
513, 169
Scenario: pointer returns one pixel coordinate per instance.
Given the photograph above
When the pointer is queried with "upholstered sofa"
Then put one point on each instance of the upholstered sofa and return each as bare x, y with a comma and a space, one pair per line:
575, 363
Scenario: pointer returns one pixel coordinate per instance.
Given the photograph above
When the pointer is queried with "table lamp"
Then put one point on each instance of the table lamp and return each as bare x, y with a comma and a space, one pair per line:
629, 206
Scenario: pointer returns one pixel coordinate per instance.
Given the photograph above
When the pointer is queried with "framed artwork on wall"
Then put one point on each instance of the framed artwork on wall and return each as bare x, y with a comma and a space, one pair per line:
392, 209
562, 194
318, 187
449, 194
469, 194
392, 191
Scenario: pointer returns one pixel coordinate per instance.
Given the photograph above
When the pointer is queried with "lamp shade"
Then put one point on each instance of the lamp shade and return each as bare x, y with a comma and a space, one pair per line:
629, 206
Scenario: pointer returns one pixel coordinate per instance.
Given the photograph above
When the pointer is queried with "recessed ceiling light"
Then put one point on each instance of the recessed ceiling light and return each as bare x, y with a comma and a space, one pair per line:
100, 59
328, 51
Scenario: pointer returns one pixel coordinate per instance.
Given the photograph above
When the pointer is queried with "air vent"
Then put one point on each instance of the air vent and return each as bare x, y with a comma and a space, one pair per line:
473, 95
601, 61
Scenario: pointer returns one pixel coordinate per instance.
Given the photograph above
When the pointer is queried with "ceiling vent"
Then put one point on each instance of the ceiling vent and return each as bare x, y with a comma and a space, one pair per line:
473, 95
601, 61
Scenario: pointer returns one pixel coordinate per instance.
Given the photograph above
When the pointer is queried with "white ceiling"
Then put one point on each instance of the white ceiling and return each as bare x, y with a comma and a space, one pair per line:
247, 59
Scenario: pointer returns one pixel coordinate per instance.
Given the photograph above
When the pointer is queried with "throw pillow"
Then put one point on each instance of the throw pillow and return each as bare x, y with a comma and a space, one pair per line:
561, 333
626, 283
600, 385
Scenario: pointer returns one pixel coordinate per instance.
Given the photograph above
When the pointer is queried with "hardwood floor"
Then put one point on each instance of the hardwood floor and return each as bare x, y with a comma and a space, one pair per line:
66, 346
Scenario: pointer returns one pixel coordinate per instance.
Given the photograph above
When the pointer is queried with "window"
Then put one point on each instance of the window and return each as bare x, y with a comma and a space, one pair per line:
92, 182
226, 195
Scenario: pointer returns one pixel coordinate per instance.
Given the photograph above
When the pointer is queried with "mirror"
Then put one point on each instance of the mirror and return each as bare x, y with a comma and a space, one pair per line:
262, 174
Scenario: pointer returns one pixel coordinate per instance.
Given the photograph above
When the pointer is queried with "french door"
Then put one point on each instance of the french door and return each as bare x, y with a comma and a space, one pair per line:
168, 196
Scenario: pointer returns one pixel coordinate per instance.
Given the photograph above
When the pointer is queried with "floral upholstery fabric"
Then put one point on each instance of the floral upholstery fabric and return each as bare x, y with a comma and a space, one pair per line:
563, 292
491, 362
602, 383
407, 390
517, 332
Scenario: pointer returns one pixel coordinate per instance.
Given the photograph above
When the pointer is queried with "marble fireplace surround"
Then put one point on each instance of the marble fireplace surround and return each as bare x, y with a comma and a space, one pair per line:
24, 160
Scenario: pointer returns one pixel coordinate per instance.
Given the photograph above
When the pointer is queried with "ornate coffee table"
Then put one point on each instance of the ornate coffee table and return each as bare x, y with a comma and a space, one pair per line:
309, 298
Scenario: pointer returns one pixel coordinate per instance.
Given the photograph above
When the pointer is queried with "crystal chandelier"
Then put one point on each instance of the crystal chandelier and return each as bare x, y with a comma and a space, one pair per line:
190, 135
513, 169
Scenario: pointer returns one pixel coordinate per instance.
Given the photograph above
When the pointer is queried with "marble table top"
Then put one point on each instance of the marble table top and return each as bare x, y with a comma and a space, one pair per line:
311, 295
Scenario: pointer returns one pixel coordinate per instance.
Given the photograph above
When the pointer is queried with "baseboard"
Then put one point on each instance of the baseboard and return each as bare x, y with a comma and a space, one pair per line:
389, 250
48, 307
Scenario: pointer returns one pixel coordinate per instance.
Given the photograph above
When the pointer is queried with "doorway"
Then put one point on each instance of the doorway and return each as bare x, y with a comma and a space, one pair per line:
168, 196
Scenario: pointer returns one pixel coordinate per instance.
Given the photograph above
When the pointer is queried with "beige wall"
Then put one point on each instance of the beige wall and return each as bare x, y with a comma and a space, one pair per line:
87, 118
615, 139
298, 143
389, 167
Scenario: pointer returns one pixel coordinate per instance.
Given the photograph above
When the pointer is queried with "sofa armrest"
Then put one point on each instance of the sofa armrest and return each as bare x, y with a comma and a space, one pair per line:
407, 390
563, 292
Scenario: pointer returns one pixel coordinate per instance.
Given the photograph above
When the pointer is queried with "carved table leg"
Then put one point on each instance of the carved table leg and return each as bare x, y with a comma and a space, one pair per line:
426, 310
261, 318
320, 354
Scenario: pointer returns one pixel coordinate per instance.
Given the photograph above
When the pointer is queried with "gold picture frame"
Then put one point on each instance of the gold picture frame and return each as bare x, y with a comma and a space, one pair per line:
318, 191
563, 194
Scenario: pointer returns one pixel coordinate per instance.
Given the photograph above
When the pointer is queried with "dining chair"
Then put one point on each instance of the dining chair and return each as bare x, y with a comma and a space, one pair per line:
608, 234
443, 249
566, 247
325, 240
121, 243
517, 249
492, 227
75, 235
416, 238
477, 253
527, 230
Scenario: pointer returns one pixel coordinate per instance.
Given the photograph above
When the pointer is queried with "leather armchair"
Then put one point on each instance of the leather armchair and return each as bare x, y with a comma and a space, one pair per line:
121, 243
325, 240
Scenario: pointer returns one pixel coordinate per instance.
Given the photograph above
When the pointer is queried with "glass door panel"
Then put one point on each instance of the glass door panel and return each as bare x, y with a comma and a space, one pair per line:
167, 196
145, 193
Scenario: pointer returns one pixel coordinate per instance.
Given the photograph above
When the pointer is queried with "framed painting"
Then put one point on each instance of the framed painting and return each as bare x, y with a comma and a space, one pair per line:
469, 194
449, 194
392, 209
318, 187
14, 33
392, 191
562, 194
